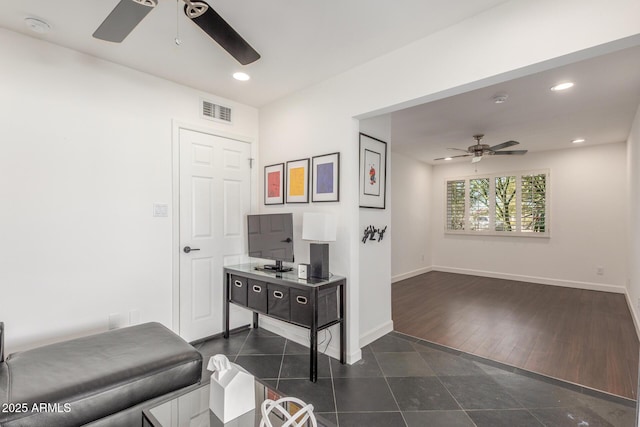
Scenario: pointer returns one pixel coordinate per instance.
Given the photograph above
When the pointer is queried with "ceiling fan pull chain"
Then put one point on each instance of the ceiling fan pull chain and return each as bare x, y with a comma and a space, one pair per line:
177, 39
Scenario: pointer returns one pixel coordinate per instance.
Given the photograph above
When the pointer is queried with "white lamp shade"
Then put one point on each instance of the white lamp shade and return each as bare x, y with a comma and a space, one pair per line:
319, 227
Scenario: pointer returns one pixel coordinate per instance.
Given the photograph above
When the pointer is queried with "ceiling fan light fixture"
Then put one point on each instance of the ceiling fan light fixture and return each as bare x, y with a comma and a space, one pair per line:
243, 77
562, 86
150, 3
195, 9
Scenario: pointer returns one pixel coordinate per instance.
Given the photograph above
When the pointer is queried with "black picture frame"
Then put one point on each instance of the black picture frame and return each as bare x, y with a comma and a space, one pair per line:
297, 181
274, 184
325, 178
373, 172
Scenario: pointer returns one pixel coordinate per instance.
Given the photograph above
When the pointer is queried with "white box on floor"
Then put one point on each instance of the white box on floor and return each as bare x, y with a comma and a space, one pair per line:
232, 390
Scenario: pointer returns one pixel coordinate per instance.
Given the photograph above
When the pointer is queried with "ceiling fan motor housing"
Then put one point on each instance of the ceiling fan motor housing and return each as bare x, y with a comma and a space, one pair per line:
478, 149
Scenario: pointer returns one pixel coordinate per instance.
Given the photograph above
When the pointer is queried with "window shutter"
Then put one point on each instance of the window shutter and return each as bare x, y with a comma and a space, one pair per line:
533, 204
455, 205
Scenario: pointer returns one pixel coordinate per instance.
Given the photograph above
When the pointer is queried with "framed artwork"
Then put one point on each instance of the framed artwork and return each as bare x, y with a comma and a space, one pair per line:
273, 395
325, 178
274, 184
297, 182
373, 172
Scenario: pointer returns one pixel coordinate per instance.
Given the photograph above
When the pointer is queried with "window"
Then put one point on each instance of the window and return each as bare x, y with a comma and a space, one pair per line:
505, 203
512, 204
455, 205
534, 197
479, 204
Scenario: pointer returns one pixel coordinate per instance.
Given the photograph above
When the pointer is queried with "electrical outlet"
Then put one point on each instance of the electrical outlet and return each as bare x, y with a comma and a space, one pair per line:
116, 320
599, 270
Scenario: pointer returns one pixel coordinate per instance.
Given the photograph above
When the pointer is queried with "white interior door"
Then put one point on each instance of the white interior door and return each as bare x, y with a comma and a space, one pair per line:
214, 200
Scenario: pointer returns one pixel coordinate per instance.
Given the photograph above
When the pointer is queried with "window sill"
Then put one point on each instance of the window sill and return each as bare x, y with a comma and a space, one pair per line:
546, 235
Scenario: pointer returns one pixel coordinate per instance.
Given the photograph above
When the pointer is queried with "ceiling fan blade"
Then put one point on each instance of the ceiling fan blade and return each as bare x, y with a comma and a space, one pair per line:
223, 34
504, 145
509, 153
453, 157
123, 19
458, 149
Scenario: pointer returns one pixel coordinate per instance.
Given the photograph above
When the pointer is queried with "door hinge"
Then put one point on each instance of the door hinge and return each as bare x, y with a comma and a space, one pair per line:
251, 163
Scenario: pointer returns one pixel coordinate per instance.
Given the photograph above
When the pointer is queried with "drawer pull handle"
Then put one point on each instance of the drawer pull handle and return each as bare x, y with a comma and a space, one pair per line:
238, 283
278, 294
257, 288
301, 300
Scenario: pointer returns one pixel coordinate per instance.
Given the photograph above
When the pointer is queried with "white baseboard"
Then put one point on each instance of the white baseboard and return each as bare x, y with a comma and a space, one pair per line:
372, 335
603, 287
410, 274
634, 311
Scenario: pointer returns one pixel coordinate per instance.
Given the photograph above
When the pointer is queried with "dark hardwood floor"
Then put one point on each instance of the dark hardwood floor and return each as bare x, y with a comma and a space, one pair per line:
584, 337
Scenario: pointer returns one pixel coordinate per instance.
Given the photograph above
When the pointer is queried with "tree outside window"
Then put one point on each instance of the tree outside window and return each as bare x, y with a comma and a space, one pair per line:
506, 203
479, 204
534, 196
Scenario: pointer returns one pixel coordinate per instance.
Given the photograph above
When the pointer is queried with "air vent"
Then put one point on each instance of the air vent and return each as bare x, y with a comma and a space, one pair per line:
216, 112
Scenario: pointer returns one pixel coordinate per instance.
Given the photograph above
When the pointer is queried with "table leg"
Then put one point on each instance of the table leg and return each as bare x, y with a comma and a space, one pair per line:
255, 320
313, 345
225, 306
343, 335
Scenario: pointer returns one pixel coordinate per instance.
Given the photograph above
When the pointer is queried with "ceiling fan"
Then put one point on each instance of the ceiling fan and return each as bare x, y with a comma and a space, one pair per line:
128, 13
478, 150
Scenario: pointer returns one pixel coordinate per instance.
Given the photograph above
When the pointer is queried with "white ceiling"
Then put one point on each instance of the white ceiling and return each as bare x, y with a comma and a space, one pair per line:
600, 108
307, 41
301, 41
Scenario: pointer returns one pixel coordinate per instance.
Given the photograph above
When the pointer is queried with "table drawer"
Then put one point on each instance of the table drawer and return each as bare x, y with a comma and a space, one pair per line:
257, 295
238, 289
278, 301
302, 311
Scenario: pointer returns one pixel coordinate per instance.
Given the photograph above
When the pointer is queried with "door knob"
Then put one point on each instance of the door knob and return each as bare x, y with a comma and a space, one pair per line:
188, 249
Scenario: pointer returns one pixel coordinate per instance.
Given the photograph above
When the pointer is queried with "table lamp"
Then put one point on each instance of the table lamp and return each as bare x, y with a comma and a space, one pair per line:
319, 227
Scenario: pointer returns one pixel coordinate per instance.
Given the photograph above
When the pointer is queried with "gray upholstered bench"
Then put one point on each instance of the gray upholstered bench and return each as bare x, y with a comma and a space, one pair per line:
104, 379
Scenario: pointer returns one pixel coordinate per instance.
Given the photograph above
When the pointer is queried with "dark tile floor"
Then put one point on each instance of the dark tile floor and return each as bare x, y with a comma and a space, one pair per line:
404, 381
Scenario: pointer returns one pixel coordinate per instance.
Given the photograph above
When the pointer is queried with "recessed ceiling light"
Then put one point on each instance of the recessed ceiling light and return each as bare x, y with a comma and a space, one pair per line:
448, 158
243, 77
500, 98
578, 140
37, 25
562, 86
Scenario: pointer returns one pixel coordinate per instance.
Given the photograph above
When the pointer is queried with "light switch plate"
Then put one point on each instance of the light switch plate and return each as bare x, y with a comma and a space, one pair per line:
160, 210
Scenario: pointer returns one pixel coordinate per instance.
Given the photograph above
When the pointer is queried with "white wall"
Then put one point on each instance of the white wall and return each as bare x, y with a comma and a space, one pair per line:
374, 256
588, 212
411, 212
513, 39
633, 179
302, 128
86, 151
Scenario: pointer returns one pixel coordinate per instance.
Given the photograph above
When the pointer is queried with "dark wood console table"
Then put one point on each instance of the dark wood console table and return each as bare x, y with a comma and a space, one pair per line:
315, 304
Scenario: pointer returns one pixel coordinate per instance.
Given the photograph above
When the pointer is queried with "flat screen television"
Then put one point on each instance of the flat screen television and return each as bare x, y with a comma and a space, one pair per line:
271, 237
